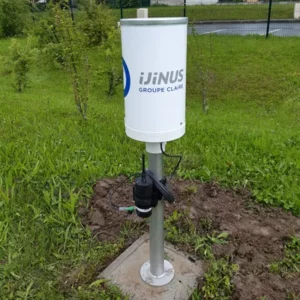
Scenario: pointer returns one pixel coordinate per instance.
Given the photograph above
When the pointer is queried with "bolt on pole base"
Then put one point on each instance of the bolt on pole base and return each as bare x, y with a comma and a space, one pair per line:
165, 278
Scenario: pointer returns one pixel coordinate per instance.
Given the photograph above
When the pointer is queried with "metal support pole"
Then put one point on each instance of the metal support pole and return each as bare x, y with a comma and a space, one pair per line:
157, 271
269, 18
184, 8
155, 164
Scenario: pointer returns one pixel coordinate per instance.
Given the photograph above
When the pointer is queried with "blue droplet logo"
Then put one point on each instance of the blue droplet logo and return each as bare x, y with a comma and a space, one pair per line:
127, 78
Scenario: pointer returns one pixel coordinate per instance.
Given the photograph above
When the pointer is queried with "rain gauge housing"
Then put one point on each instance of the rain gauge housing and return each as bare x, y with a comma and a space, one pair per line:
154, 65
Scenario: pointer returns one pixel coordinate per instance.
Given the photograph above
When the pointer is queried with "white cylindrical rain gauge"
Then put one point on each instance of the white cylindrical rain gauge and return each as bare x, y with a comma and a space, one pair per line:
154, 65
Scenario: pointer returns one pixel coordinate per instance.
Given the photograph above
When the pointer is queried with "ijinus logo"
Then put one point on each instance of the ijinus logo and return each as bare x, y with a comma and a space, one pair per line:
127, 78
158, 78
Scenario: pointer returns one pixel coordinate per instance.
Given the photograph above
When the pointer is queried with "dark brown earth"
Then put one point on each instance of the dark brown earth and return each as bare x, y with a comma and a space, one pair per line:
257, 234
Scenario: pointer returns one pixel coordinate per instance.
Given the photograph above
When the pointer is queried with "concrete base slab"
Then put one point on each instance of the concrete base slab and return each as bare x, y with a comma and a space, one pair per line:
125, 273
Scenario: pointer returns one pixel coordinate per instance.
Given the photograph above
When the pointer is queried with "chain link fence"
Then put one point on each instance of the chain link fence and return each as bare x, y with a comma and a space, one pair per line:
235, 17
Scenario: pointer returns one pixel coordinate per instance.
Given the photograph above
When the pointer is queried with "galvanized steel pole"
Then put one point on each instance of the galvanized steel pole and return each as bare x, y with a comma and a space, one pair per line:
157, 271
155, 164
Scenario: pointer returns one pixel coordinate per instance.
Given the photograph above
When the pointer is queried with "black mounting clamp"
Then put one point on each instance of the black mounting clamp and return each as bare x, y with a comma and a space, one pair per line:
147, 191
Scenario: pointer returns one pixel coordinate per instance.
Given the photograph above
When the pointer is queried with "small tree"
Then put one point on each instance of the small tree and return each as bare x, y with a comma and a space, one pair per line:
201, 63
61, 42
74, 58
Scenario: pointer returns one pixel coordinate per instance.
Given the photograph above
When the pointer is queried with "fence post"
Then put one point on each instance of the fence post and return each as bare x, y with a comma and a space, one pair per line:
121, 8
184, 8
71, 10
269, 18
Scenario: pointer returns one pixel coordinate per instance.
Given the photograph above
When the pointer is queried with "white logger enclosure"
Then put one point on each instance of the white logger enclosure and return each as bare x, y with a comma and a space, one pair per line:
154, 65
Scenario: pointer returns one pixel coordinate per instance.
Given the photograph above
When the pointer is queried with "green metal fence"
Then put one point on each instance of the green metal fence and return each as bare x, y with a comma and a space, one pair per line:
230, 17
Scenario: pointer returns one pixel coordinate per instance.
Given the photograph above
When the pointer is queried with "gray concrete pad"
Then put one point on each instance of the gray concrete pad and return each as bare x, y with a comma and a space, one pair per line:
125, 273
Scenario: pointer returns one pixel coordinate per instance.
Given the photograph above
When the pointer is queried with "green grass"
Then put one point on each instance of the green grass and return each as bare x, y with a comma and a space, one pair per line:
218, 283
290, 265
50, 158
180, 230
217, 12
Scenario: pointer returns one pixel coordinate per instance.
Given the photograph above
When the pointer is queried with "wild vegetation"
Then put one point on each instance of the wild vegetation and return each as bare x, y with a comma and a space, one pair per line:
15, 17
50, 156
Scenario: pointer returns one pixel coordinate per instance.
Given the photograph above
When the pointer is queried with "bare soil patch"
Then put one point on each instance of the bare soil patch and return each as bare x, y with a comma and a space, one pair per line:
257, 234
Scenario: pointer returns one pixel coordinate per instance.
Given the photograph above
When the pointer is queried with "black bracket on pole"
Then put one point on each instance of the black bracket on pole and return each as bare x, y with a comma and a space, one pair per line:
269, 18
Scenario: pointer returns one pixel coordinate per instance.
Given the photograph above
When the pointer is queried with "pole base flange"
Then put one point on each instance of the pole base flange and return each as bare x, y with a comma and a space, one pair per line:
165, 278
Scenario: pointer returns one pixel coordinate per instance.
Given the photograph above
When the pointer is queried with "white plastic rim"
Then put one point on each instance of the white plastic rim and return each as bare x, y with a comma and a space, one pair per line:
153, 21
154, 65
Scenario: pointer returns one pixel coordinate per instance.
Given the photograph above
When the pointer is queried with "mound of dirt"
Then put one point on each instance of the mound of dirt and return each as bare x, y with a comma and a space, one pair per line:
257, 234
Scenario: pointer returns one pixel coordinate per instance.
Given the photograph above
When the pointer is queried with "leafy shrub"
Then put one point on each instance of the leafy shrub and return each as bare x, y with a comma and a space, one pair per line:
111, 69
20, 58
126, 3
159, 5
96, 23
48, 40
46, 30
15, 17
49, 36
